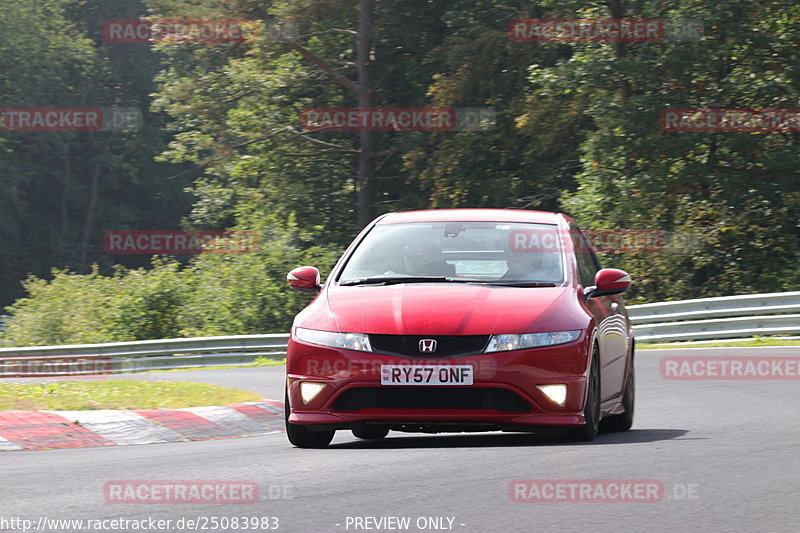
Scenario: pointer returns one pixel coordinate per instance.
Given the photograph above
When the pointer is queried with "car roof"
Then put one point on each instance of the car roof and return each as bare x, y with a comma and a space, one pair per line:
473, 215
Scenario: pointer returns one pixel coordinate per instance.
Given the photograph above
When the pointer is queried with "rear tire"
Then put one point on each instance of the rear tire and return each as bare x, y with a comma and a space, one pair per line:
591, 409
302, 437
371, 432
624, 421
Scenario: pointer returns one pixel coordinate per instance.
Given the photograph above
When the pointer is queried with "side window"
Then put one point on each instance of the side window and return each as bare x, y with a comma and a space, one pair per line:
588, 265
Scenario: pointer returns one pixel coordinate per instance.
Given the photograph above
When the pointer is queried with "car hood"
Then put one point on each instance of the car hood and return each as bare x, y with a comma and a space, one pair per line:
438, 308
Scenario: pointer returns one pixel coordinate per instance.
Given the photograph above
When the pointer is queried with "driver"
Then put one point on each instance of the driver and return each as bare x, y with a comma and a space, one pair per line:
423, 258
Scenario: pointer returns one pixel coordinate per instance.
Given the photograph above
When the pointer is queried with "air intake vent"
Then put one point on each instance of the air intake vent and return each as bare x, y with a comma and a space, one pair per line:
419, 345
430, 398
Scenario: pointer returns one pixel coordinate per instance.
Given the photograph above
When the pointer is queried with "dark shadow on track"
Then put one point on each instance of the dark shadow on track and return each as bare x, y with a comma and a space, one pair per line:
399, 440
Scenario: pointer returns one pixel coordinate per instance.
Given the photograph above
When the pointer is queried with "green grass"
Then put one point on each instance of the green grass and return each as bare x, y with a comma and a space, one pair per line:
764, 341
117, 394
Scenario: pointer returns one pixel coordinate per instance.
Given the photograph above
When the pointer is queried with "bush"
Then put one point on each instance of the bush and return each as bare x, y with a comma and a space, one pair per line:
69, 309
247, 293
226, 294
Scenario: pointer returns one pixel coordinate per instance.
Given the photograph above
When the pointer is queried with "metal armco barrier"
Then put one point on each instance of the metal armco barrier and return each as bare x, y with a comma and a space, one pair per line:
140, 356
728, 317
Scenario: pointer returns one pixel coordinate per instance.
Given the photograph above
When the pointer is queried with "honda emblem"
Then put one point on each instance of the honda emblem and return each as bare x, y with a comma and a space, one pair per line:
427, 345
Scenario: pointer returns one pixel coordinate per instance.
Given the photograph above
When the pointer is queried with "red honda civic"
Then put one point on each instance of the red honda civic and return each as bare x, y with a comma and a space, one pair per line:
461, 320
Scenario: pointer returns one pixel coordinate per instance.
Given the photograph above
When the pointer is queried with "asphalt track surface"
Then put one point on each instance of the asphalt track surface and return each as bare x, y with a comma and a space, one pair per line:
726, 453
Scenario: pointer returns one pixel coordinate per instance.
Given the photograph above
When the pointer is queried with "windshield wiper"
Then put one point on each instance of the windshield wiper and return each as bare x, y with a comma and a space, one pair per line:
394, 280
521, 283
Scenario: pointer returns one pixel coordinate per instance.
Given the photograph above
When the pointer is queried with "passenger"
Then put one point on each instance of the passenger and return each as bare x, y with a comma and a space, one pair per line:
532, 266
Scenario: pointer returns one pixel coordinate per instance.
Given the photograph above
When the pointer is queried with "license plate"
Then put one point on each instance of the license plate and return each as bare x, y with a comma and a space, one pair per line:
426, 374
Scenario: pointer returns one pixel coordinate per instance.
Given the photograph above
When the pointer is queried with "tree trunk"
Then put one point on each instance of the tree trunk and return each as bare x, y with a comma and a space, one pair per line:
90, 211
65, 185
94, 194
366, 97
617, 10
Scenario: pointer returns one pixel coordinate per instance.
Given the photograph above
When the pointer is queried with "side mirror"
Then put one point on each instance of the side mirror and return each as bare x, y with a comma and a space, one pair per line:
608, 281
304, 279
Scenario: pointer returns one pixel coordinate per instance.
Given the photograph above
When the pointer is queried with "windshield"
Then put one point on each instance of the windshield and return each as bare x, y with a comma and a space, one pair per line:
467, 251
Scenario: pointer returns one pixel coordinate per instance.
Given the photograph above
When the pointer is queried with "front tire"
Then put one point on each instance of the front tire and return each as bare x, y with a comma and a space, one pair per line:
624, 421
591, 409
301, 436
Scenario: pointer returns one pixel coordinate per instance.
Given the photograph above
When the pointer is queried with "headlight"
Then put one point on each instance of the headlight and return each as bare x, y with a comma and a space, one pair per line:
509, 342
349, 341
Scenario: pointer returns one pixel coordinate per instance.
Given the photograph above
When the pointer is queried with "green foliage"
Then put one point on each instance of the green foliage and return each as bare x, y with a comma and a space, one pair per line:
61, 190
247, 293
225, 294
146, 302
89, 308
69, 309
735, 193
577, 130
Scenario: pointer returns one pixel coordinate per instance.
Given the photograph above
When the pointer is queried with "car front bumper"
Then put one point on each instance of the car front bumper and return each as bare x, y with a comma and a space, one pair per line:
504, 393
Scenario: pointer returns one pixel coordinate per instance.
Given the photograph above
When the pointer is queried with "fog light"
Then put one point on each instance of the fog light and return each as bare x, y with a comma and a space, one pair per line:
557, 393
309, 391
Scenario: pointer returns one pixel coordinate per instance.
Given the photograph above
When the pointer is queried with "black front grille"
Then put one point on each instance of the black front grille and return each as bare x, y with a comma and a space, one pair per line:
430, 398
446, 345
